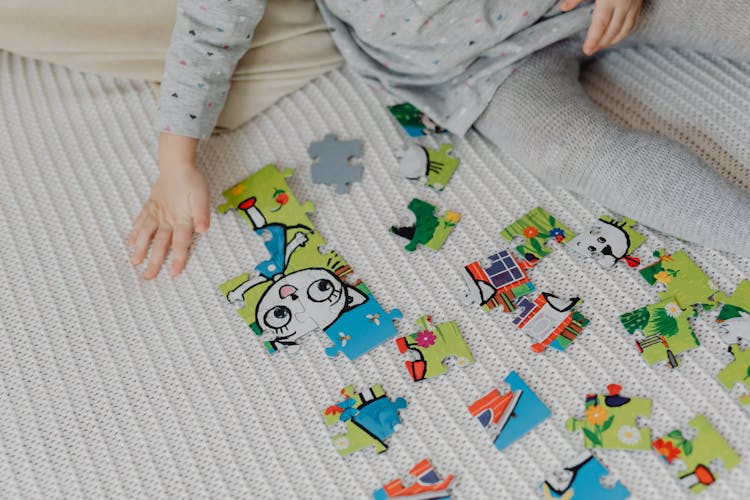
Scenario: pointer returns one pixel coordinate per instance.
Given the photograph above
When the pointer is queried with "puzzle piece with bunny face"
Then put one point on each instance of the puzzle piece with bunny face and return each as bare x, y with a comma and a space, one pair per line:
681, 278
369, 417
582, 480
610, 421
610, 241
498, 284
665, 329
436, 167
425, 484
333, 162
512, 414
734, 316
414, 122
699, 456
737, 373
536, 227
429, 229
550, 321
430, 348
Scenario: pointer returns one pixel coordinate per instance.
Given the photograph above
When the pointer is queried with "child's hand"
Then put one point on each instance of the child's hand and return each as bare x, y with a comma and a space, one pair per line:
611, 21
177, 207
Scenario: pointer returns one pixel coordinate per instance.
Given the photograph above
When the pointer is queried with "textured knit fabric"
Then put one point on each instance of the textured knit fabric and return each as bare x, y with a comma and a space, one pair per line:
112, 387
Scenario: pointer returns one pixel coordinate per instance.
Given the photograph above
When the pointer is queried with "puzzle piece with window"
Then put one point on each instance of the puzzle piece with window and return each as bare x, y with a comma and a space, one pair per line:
611, 421
511, 414
429, 229
425, 485
681, 278
333, 162
431, 347
699, 456
436, 167
550, 321
610, 241
582, 480
498, 284
665, 328
536, 227
734, 316
737, 373
369, 417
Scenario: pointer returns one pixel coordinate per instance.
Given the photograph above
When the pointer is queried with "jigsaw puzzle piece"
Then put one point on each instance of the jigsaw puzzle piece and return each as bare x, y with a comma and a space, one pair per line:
584, 482
610, 241
429, 229
681, 277
425, 485
734, 316
699, 455
550, 321
499, 284
370, 418
737, 372
514, 413
431, 347
333, 163
437, 167
536, 227
413, 121
665, 328
610, 421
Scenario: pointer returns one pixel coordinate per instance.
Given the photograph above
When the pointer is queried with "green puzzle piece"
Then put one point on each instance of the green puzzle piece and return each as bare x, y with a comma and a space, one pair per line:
430, 347
536, 227
428, 230
442, 166
697, 455
682, 278
610, 421
666, 329
734, 315
737, 372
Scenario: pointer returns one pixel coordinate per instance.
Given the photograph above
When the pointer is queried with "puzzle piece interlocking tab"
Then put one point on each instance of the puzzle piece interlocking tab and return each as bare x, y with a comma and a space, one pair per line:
429, 229
536, 227
737, 372
425, 485
734, 316
370, 417
499, 284
697, 456
431, 347
550, 321
333, 162
436, 167
681, 277
610, 421
584, 482
610, 241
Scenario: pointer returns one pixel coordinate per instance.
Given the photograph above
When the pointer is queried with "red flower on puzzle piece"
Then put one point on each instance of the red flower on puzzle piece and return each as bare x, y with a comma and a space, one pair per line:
666, 449
530, 232
425, 338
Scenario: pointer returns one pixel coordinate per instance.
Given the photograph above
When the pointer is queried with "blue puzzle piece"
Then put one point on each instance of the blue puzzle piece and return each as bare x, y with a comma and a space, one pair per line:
380, 416
585, 482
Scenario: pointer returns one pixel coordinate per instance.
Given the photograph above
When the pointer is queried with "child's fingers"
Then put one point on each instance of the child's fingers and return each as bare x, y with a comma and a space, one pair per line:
159, 249
613, 29
146, 231
627, 27
136, 227
599, 22
200, 213
567, 5
182, 237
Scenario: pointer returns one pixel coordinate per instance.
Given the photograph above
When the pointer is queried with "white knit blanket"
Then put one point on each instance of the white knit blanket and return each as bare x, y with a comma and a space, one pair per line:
112, 386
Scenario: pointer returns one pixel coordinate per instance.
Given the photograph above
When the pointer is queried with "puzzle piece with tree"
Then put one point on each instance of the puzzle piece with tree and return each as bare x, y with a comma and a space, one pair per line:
681, 278
429, 229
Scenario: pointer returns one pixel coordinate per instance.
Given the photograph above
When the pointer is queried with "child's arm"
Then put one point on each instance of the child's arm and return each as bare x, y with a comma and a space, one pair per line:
208, 40
611, 22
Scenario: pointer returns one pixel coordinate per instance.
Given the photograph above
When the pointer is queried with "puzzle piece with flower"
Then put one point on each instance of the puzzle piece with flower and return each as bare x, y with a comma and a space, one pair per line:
425, 484
698, 457
611, 421
429, 229
734, 316
665, 328
431, 347
681, 278
536, 227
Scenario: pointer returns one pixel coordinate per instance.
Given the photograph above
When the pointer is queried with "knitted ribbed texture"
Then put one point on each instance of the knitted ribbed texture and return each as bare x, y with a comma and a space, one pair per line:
112, 386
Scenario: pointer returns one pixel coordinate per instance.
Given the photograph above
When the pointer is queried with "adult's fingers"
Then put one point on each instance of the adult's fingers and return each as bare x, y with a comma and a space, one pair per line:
599, 22
159, 250
147, 228
182, 237
567, 5
613, 29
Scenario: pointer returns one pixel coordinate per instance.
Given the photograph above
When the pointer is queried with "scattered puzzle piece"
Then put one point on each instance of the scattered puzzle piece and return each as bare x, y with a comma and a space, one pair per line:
681, 277
666, 330
610, 421
430, 347
413, 121
436, 167
584, 482
500, 284
698, 456
737, 372
610, 241
514, 413
536, 227
550, 321
333, 162
426, 485
734, 316
369, 416
428, 230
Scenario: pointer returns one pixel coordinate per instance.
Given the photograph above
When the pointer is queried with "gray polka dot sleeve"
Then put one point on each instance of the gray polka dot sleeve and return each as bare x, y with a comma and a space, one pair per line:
209, 38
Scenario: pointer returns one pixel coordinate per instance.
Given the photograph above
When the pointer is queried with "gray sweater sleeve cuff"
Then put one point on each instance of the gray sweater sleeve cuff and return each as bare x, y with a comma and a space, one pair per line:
208, 40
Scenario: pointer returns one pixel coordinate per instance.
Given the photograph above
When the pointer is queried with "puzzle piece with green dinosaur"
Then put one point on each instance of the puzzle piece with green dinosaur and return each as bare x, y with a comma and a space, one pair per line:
665, 328
436, 167
425, 484
681, 278
498, 284
698, 456
413, 121
550, 321
734, 316
333, 162
369, 418
583, 481
429, 229
610, 241
610, 421
429, 348
536, 227
737, 373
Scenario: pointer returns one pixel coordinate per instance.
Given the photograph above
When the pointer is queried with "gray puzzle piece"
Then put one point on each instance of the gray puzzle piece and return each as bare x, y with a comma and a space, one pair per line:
332, 164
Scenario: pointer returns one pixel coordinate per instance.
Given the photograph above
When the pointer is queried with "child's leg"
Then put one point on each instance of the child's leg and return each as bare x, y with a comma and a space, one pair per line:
543, 118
